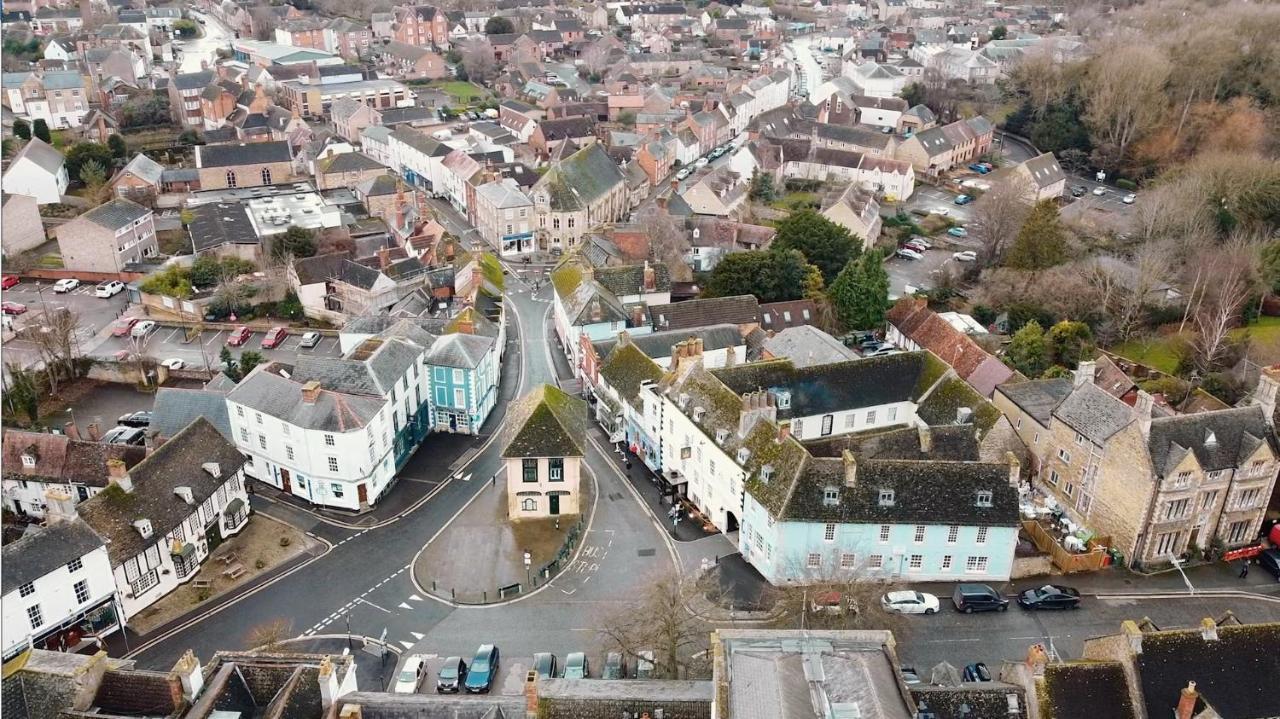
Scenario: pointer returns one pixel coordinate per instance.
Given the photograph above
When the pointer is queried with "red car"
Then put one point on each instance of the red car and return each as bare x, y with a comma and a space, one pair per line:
122, 327
274, 337
8, 281
239, 336
12, 308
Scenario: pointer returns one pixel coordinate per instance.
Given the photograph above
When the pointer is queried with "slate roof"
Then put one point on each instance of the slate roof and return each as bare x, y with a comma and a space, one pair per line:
221, 223
806, 346
580, 179
385, 705
626, 368
1236, 434
42, 550
145, 169
1038, 397
318, 268
62, 460
657, 345
175, 463
266, 391
194, 80
464, 351
1089, 690
116, 214
251, 153
348, 162
546, 422
953, 443
1044, 170
1235, 674
1094, 413
566, 128
177, 407
41, 153
629, 279
135, 692
739, 310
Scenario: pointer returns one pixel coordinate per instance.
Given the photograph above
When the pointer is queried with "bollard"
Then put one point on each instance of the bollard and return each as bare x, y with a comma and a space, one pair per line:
433, 585
485, 595
454, 593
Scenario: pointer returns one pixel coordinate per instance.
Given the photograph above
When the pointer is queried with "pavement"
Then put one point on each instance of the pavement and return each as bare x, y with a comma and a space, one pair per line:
647, 485
165, 343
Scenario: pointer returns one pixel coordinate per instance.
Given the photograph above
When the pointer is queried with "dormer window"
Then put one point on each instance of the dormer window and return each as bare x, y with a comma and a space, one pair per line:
1210, 438
699, 413
766, 473
28, 460
721, 435
743, 455
984, 499
886, 498
783, 398
683, 400
830, 497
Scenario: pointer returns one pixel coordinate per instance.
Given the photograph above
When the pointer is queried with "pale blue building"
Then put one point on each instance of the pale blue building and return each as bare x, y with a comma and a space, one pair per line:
464, 381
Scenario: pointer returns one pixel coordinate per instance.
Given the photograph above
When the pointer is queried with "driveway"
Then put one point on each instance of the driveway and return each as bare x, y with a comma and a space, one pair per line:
168, 342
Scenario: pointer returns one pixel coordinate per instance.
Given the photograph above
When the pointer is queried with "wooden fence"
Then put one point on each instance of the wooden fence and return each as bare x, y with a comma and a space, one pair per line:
1093, 559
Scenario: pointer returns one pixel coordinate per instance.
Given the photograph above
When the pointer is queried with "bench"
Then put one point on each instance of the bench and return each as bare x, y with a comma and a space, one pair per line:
202, 583
227, 558
234, 571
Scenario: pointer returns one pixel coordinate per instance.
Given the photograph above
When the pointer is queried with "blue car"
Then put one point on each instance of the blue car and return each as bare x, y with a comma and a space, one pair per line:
958, 232
483, 669
963, 199
980, 169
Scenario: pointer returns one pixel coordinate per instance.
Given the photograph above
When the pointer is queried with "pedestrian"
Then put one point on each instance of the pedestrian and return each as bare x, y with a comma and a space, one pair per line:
1244, 569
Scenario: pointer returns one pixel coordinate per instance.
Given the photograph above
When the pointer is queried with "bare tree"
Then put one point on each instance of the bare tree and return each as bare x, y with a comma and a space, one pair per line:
264, 22
1124, 90
477, 59
1217, 306
55, 339
1126, 287
270, 636
850, 600
658, 621
668, 241
595, 56
997, 216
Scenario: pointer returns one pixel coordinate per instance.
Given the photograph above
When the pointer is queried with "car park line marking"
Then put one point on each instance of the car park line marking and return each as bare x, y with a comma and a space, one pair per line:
214, 337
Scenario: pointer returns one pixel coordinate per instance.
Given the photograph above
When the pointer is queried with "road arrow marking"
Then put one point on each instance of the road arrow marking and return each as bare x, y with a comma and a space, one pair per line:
406, 645
404, 605
417, 636
415, 597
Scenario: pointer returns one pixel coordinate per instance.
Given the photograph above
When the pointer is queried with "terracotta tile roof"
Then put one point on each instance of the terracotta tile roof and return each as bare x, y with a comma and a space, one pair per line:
975, 365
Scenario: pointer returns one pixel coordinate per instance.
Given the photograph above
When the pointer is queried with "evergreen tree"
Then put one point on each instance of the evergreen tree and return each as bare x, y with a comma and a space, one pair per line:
118, 147
1069, 342
41, 130
860, 292
22, 129
770, 275
1028, 352
822, 242
1041, 243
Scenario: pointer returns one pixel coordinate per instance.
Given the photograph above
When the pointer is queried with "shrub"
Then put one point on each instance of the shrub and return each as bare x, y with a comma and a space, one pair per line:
1125, 184
260, 564
285, 541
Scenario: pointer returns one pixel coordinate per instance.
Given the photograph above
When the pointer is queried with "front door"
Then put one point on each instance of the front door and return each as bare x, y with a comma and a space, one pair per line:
555, 504
362, 493
284, 480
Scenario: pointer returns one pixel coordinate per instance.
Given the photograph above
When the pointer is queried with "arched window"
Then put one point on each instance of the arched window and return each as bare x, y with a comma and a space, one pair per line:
529, 505
266, 176
231, 178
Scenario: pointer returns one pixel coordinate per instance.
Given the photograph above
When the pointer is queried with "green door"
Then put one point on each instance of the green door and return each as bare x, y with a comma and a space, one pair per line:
555, 504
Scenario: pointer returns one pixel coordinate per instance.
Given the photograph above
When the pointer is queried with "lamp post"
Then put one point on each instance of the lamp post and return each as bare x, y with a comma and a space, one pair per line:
72, 412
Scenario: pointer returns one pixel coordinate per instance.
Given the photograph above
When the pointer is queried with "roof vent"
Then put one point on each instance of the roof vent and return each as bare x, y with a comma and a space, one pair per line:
213, 469
1210, 439
144, 528
184, 493
964, 415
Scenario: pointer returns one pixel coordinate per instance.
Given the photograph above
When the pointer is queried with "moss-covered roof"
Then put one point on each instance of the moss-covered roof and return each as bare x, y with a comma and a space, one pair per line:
492, 270
547, 422
1088, 690
626, 368
566, 278
941, 405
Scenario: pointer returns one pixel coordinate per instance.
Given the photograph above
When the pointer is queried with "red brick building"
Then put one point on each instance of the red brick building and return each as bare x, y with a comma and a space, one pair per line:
421, 25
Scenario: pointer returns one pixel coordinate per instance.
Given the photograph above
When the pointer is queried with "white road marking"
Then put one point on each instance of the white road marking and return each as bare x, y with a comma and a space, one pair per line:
417, 635
375, 606
406, 645
404, 605
415, 597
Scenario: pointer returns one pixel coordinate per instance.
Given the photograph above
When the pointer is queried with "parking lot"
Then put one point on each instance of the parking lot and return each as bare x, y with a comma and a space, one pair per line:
509, 681
917, 274
170, 342
930, 199
94, 312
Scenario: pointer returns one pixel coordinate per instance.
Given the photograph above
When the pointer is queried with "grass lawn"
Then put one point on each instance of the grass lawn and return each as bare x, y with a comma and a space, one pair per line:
1158, 352
797, 201
51, 262
462, 92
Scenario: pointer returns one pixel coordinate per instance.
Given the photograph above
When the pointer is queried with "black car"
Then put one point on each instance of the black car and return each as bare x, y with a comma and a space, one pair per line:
1269, 560
1050, 596
141, 418
970, 598
615, 667
1079, 190
544, 663
135, 436
976, 672
451, 675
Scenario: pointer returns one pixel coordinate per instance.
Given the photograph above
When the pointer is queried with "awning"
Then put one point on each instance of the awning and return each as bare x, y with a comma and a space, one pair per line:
186, 550
233, 507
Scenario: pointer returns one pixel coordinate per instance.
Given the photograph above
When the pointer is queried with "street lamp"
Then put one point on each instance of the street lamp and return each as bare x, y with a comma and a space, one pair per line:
72, 411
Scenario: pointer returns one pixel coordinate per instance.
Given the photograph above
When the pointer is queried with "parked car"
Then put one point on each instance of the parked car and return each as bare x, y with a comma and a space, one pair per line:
141, 418
909, 602
309, 340
908, 254
1129, 199
484, 669
943, 211
644, 665
12, 308
1050, 596
615, 666
882, 351
1079, 190
8, 281
239, 336
963, 199
979, 168
576, 666
451, 676
701, 162
65, 285
121, 327
916, 247
173, 363
1099, 191
1269, 559
274, 337
958, 232
110, 288
976, 672
716, 153
545, 664
135, 436
965, 256
410, 675
922, 241
970, 598
143, 328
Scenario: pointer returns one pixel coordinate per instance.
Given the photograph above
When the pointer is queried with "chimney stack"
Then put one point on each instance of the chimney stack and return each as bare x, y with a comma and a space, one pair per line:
59, 506
531, 693
95, 433
118, 475
755, 406
637, 316
350, 711
650, 278
310, 392
1187, 701
850, 469
1015, 469
1208, 630
926, 438
71, 430
1142, 408
784, 431
1084, 373
384, 257
189, 673
1266, 393
1037, 658
328, 679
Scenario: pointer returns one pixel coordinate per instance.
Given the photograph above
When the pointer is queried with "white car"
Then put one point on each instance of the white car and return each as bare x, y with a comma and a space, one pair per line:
701, 162
923, 242
410, 675
1129, 199
965, 256
907, 253
683, 173
142, 328
1099, 190
908, 602
944, 211
65, 285
173, 363
109, 289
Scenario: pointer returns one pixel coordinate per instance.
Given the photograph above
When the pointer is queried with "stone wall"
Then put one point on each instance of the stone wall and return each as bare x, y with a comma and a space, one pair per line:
602, 708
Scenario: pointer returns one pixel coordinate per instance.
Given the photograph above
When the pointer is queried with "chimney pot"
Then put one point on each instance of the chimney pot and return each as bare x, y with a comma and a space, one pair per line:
118, 475
850, 469
926, 438
1187, 701
95, 433
189, 674
71, 430
329, 686
1209, 630
531, 692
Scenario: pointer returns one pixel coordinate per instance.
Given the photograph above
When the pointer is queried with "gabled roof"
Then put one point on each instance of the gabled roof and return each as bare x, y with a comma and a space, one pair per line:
806, 346
251, 153
547, 422
42, 550
738, 310
658, 345
1038, 397
626, 368
460, 350
177, 407
1222, 439
116, 214
580, 179
42, 154
179, 462
1044, 170
145, 169
348, 162
1234, 673
1094, 413
266, 391
921, 325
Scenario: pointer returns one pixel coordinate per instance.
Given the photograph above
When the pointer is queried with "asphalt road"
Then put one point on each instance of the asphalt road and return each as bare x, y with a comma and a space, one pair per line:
216, 35
167, 342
